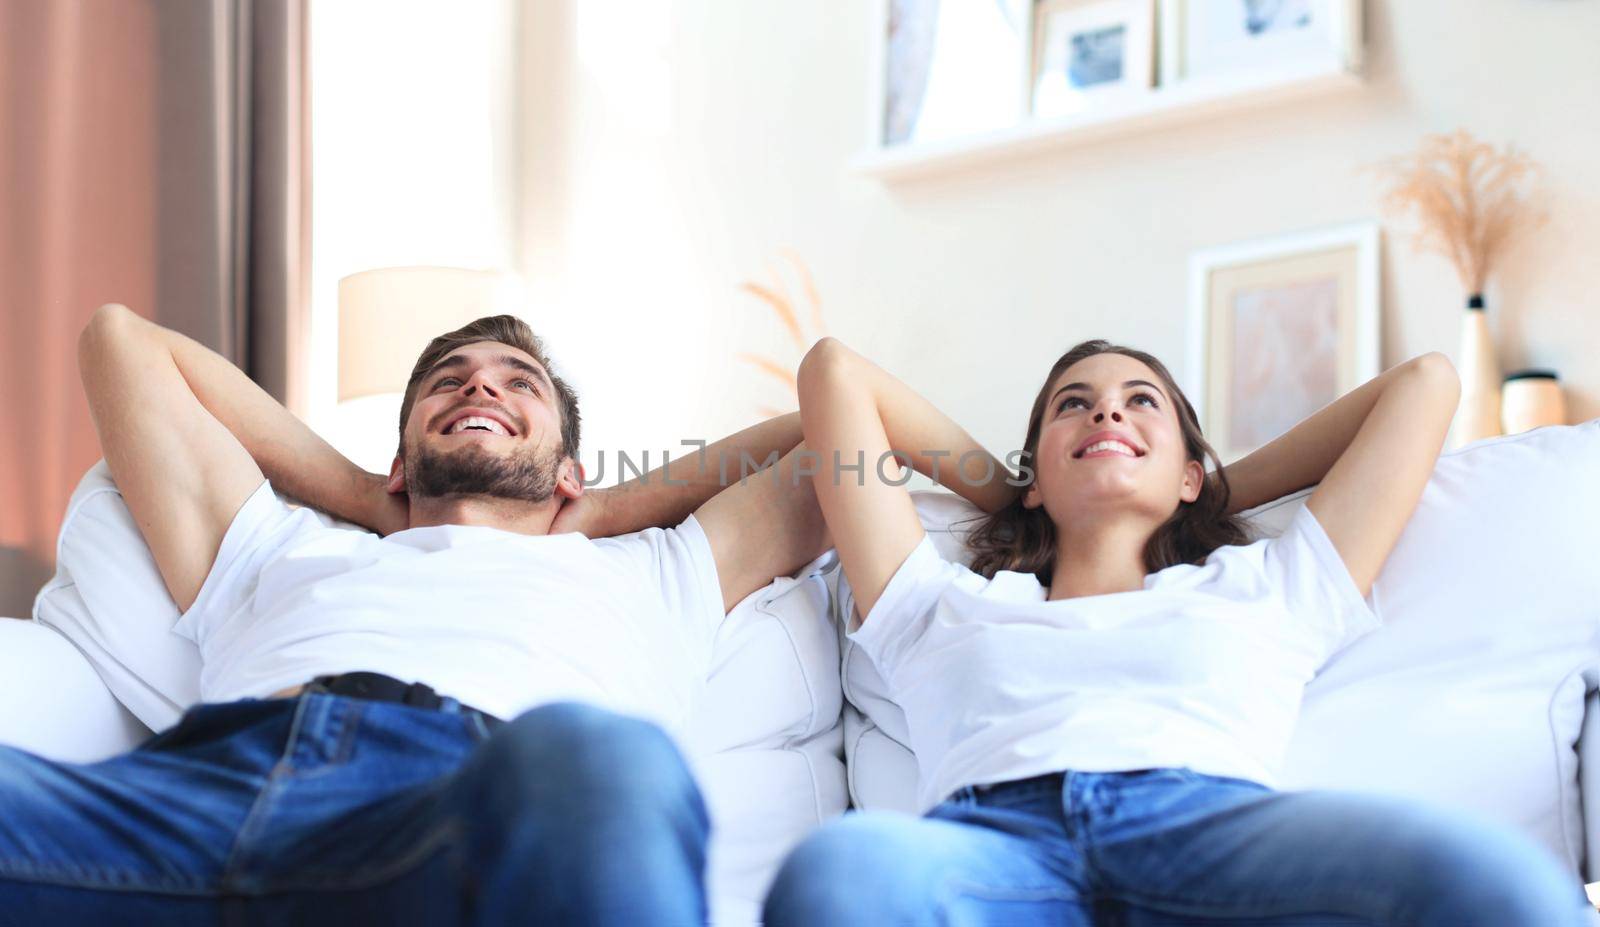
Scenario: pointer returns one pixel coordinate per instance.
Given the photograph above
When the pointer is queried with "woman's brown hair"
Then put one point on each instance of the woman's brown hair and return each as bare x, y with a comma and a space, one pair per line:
1023, 540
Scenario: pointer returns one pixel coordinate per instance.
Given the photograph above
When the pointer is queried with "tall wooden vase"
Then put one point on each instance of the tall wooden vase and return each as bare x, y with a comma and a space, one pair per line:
1478, 416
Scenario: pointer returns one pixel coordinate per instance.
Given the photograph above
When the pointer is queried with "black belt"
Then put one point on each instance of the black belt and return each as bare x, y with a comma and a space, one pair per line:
381, 688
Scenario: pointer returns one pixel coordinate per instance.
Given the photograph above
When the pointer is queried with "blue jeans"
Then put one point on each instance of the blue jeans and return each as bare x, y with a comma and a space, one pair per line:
1167, 847
328, 809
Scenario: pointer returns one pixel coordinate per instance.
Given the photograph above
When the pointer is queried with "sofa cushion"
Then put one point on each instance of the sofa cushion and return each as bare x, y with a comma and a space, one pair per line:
1472, 693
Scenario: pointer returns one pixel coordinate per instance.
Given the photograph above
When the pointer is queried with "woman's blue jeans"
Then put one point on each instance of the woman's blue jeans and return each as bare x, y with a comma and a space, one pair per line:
1168, 847
328, 809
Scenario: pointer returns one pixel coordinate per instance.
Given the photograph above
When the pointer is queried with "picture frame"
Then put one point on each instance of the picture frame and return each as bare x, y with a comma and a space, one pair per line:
1278, 328
948, 69
1206, 39
1085, 53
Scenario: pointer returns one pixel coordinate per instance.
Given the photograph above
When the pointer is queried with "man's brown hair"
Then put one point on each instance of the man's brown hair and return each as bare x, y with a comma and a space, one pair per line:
508, 330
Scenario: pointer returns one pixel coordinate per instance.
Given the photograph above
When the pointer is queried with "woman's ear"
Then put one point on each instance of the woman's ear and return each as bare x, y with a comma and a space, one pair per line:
1194, 479
1032, 498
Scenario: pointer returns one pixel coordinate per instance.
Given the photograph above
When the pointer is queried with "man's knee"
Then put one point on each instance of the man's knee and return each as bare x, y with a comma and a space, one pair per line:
583, 804
584, 753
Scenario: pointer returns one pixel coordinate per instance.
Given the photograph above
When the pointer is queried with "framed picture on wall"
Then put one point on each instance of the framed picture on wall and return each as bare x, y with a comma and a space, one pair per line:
1279, 328
1086, 52
1208, 38
950, 68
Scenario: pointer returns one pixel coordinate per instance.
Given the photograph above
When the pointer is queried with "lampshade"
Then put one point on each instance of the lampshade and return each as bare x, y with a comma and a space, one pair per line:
387, 316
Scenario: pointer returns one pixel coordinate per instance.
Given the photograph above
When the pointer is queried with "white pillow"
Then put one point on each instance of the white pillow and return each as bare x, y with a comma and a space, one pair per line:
1471, 693
108, 598
77, 720
765, 739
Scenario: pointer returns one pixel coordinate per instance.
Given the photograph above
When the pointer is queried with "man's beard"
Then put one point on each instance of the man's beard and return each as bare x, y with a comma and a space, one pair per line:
527, 475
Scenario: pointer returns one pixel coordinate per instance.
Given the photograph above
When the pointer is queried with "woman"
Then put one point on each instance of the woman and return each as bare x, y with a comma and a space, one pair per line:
1100, 704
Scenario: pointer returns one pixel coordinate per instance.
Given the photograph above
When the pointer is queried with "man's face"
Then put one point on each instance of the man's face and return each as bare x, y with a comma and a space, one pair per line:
485, 422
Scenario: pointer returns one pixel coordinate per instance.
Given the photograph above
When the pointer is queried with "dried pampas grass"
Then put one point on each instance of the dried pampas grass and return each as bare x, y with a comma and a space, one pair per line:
1467, 199
773, 294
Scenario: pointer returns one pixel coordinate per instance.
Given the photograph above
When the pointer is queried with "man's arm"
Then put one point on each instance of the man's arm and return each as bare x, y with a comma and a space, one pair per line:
750, 491
765, 525
188, 437
667, 495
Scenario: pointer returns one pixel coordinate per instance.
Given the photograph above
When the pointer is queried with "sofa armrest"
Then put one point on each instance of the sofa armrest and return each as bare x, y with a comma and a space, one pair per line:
53, 703
1589, 783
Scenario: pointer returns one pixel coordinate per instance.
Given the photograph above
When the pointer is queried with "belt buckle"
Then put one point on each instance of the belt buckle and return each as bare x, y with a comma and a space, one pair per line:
321, 684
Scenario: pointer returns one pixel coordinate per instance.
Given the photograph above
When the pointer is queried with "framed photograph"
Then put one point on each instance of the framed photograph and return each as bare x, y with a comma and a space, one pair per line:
950, 68
1088, 51
1279, 328
1206, 38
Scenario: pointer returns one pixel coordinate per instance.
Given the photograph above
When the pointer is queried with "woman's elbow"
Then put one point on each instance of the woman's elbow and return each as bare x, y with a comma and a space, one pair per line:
1438, 368
824, 363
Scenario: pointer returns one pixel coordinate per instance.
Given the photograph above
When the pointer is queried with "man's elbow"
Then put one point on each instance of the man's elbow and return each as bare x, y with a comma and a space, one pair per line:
105, 319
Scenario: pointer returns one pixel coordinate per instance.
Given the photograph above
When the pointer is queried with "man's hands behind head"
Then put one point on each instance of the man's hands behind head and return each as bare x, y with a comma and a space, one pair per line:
585, 515
383, 511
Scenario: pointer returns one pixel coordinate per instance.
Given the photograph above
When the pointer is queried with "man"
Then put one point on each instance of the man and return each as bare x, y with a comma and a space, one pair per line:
348, 762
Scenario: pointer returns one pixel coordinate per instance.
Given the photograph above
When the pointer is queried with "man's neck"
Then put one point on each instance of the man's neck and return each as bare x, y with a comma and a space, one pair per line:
484, 511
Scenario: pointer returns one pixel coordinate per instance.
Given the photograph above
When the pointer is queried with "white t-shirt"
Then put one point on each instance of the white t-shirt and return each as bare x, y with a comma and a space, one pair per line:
1204, 667
501, 621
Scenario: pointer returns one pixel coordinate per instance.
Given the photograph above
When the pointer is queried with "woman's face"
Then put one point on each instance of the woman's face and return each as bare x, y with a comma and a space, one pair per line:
1111, 398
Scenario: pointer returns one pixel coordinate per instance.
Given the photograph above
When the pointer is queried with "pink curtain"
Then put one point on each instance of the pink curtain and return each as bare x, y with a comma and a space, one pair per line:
151, 154
79, 230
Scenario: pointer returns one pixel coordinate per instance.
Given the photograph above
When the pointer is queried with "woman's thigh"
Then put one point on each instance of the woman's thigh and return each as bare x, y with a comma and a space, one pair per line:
881, 868
1235, 852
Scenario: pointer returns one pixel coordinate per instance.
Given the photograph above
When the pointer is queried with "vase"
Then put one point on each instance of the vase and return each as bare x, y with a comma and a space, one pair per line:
1478, 415
1531, 399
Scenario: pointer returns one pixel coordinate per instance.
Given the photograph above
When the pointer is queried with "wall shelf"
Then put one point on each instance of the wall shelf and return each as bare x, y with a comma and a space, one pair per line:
1187, 101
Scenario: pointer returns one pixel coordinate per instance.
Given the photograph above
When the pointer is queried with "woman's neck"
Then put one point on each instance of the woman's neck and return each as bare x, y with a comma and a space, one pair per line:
1100, 556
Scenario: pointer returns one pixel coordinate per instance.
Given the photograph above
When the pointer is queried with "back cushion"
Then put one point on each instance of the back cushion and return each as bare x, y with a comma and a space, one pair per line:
766, 739
1472, 692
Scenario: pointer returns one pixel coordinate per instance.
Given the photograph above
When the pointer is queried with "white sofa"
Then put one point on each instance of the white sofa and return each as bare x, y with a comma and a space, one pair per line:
1479, 691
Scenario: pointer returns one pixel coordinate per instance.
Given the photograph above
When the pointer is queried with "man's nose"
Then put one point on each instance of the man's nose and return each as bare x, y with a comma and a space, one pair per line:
480, 381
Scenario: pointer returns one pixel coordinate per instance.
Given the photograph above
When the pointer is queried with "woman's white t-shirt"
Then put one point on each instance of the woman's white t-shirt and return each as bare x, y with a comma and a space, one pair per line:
1203, 668
501, 621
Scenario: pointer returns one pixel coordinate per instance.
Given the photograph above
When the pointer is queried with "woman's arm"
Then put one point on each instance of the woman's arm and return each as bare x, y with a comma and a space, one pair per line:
854, 414
1303, 455
1372, 453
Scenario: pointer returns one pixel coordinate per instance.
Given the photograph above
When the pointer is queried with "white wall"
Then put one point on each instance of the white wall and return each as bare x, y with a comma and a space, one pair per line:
413, 145
671, 148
